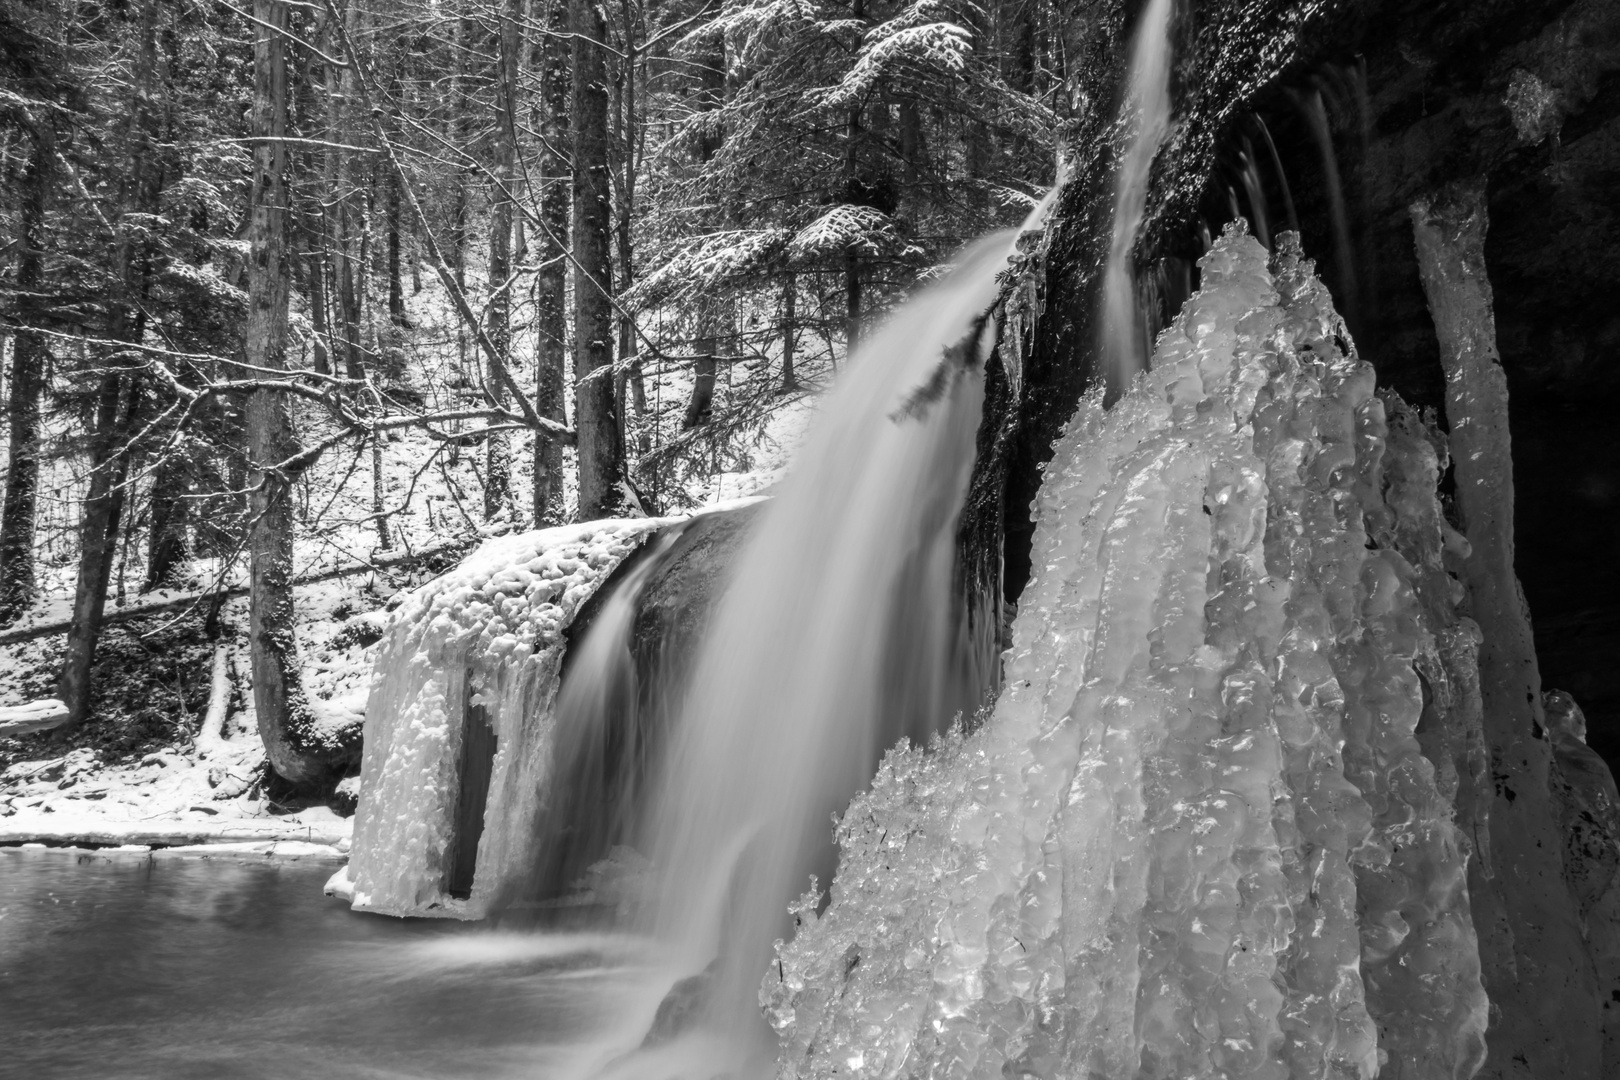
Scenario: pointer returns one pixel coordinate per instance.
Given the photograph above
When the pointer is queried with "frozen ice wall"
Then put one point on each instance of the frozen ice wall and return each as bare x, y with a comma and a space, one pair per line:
1199, 837
490, 634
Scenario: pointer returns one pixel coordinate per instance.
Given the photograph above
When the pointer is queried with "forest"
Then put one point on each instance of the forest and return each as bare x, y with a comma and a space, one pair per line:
326, 287
810, 539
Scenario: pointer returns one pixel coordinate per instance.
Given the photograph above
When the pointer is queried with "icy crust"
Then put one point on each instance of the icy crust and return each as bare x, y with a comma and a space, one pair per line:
1198, 837
488, 633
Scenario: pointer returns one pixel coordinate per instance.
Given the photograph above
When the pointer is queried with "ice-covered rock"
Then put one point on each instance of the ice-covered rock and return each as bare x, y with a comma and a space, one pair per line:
487, 638
1200, 835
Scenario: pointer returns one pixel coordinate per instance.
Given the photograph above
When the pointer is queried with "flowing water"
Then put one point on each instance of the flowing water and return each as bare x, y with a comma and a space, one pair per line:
151, 968
1145, 115
1199, 836
832, 641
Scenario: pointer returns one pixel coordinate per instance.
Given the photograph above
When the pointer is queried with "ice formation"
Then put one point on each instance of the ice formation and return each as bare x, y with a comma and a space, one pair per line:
1200, 835
490, 634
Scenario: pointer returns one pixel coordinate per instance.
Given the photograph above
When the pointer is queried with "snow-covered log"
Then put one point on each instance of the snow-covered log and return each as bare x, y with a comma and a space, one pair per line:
35, 716
212, 732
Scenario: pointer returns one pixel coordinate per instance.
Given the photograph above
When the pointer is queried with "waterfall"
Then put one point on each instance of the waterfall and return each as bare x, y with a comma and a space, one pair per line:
1145, 116
461, 721
831, 642
1199, 836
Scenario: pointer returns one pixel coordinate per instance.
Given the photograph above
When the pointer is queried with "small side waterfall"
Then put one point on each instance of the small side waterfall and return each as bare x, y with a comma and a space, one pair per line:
598, 741
462, 704
1145, 116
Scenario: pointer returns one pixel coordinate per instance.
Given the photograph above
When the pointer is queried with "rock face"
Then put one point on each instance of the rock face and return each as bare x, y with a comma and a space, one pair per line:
1341, 116
460, 724
1371, 104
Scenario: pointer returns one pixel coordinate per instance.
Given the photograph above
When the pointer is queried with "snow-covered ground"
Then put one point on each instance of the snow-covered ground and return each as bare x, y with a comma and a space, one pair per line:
167, 799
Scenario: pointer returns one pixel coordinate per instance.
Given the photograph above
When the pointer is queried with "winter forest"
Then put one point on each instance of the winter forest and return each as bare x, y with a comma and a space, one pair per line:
462, 214
680, 539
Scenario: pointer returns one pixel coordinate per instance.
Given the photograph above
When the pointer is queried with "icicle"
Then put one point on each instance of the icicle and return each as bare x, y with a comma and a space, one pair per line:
1199, 836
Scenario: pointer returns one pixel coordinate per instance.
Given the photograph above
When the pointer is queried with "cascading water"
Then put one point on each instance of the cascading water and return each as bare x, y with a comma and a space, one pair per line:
598, 738
476, 651
1146, 119
1199, 836
831, 642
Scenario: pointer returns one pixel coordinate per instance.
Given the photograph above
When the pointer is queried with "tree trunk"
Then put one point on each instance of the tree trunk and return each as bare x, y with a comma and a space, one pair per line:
295, 749
551, 58
701, 403
315, 267
629, 350
852, 194
344, 214
601, 468
29, 357
118, 399
461, 87
98, 541
790, 308
1537, 969
167, 548
396, 287
498, 320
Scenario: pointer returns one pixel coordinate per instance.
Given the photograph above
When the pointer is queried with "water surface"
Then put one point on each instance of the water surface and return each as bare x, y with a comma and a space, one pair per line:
120, 965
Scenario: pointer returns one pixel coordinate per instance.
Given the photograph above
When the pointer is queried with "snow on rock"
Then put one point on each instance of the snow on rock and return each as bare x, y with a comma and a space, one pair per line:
1198, 836
35, 716
164, 799
489, 634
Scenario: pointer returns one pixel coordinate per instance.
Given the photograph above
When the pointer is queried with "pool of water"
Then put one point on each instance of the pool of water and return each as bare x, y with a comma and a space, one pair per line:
122, 965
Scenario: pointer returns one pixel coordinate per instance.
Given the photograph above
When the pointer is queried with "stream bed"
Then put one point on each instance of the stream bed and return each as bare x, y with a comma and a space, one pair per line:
127, 965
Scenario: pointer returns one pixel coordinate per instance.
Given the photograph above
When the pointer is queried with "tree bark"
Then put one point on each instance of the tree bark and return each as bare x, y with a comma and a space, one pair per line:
629, 351
852, 194
167, 547
701, 404
790, 316
601, 466
396, 286
551, 58
498, 318
461, 87
29, 357
1536, 966
295, 748
344, 214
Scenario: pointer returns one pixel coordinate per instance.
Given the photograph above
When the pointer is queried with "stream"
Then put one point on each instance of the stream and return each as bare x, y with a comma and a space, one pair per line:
121, 964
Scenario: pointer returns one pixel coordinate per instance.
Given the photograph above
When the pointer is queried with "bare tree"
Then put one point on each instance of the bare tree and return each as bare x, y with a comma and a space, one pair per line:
497, 454
29, 356
551, 57
601, 463
297, 750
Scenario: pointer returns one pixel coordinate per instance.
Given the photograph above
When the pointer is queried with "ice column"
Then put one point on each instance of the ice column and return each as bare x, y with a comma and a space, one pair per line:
1199, 837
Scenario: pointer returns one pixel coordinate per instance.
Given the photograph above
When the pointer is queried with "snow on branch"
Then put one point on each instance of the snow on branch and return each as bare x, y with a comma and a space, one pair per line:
847, 227
711, 260
934, 46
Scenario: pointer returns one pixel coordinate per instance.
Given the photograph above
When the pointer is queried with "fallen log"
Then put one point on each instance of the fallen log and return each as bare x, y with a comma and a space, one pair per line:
176, 603
35, 716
